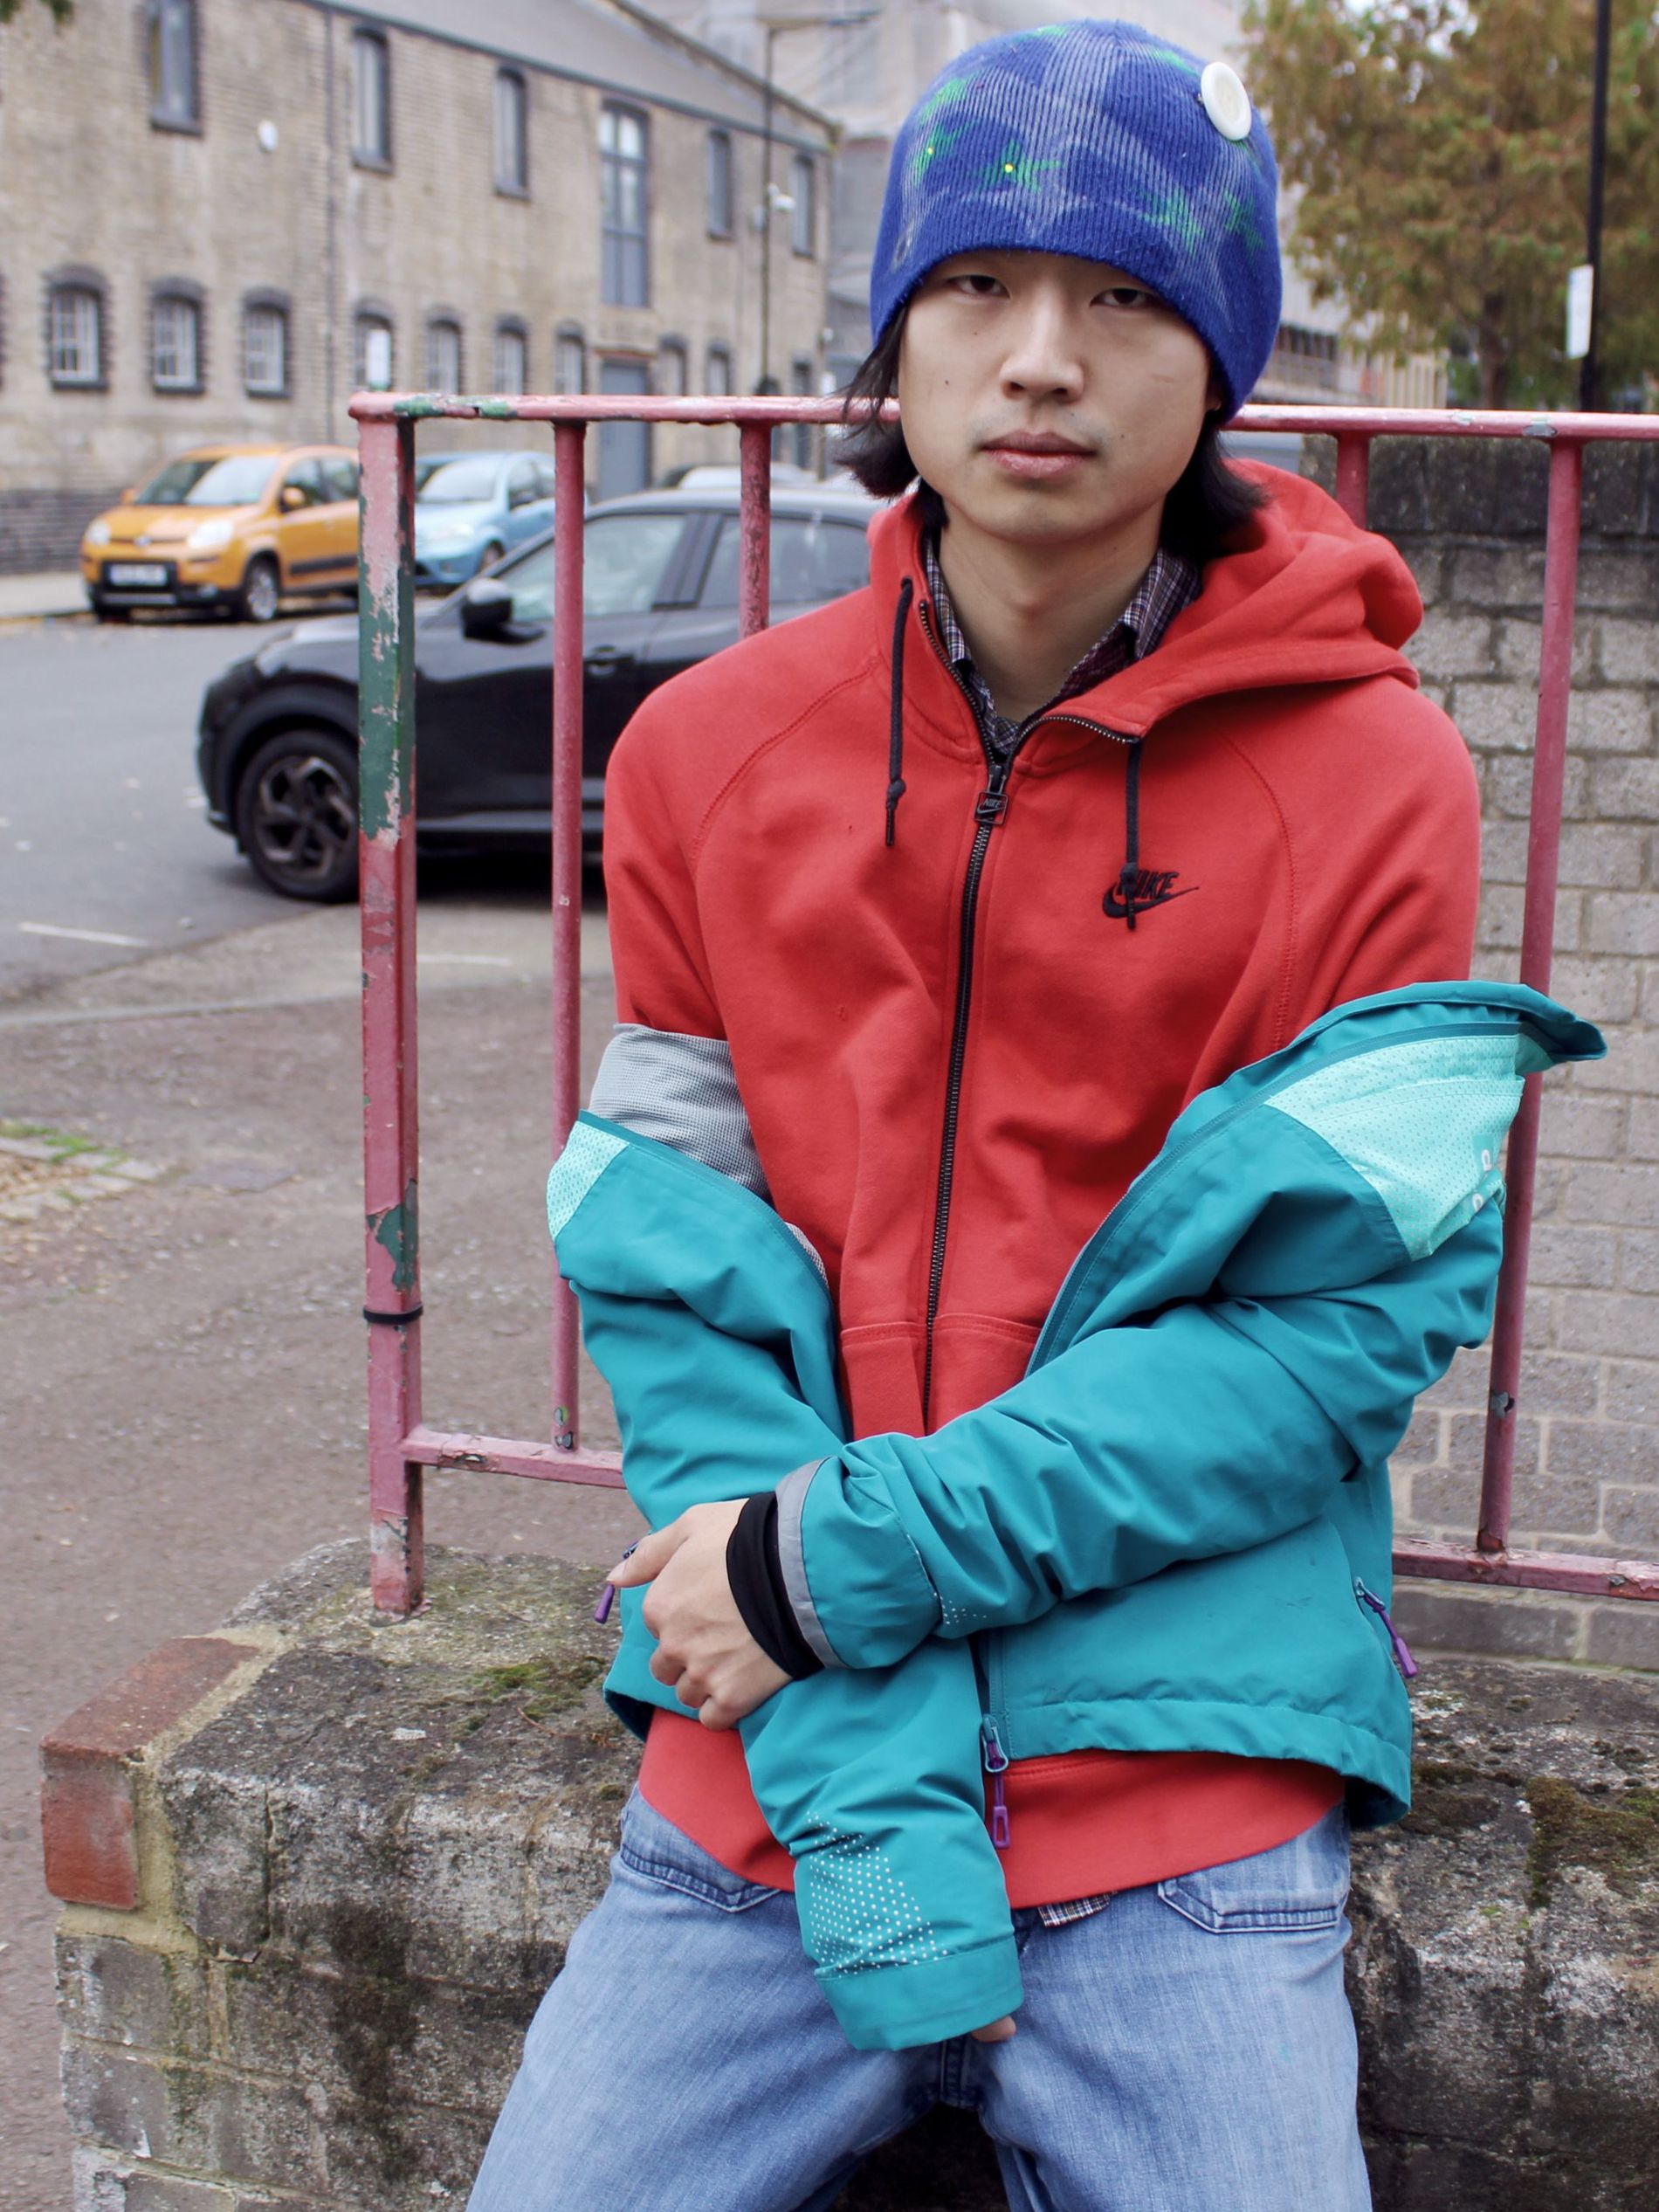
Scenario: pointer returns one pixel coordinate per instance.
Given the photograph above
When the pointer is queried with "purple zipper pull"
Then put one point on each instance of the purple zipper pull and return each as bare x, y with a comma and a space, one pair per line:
1400, 1649
996, 1760
607, 1595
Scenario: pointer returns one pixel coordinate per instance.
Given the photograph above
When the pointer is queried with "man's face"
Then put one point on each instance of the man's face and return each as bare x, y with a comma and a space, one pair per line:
1046, 398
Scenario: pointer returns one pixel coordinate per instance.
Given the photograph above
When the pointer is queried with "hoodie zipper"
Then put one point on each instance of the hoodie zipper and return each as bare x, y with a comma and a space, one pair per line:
988, 810
997, 1765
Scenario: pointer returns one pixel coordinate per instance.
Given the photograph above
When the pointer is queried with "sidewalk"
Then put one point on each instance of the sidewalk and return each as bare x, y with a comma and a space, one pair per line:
56, 591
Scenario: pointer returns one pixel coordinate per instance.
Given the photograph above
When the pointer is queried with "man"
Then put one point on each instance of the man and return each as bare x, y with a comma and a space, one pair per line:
935, 916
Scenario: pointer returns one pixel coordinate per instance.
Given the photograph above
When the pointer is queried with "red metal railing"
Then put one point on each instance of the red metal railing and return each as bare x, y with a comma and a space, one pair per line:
400, 1445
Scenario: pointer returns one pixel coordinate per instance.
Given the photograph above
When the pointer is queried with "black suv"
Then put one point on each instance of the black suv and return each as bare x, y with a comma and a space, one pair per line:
278, 748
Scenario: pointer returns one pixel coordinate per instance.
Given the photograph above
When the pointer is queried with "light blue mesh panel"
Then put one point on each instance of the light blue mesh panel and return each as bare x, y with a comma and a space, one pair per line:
1423, 1123
857, 1912
587, 1154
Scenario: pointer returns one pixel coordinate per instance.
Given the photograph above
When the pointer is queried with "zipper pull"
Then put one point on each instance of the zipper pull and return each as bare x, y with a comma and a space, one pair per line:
1400, 1649
993, 801
607, 1595
996, 1760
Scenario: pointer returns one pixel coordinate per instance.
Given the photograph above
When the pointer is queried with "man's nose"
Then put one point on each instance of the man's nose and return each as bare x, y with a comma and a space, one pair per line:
1045, 357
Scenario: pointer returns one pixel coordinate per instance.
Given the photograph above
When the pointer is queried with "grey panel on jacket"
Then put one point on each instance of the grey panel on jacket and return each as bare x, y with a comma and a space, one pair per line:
682, 1092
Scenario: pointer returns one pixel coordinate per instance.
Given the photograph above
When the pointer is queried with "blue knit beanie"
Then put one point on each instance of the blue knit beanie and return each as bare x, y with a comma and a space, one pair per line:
1101, 139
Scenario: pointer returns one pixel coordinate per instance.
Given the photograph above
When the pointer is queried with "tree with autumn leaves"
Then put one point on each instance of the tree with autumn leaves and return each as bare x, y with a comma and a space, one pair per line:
1440, 149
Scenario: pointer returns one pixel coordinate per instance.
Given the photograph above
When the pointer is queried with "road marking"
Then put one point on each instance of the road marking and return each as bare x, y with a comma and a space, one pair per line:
83, 936
467, 959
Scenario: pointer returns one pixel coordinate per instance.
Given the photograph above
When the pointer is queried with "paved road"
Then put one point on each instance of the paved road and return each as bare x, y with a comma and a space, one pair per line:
181, 1367
101, 815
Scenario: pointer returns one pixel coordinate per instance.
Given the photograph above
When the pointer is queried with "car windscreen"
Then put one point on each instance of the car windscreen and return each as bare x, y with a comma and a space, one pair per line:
238, 481
811, 560
625, 558
453, 481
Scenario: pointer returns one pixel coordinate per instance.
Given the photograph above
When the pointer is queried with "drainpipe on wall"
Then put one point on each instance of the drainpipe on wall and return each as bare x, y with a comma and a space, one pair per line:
330, 253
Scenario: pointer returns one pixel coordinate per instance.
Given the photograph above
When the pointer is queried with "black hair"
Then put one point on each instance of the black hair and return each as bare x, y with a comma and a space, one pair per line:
1207, 503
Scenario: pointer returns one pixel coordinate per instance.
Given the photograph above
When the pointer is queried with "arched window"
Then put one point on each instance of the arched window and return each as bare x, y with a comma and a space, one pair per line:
371, 94
803, 216
717, 378
176, 338
372, 353
442, 354
719, 184
511, 137
624, 200
75, 334
171, 33
510, 361
671, 370
265, 346
569, 362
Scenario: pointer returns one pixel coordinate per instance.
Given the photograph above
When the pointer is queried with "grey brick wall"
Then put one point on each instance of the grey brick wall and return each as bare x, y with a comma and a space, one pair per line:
1470, 519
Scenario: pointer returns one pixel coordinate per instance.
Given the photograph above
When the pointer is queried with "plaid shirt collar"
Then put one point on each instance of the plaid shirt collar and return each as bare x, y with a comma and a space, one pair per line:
1169, 584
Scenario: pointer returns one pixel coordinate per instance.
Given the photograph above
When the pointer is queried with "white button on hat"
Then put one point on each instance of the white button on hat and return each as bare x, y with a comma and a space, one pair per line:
1225, 101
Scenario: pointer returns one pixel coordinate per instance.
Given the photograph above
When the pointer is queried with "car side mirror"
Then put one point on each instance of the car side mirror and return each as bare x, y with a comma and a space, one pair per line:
486, 608
292, 497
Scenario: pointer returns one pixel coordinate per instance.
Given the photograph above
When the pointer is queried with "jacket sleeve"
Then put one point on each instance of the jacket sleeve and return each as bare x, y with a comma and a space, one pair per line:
1210, 1428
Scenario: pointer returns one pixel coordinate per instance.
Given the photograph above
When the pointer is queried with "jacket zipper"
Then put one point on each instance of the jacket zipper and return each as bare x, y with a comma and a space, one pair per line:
988, 810
997, 1765
1397, 1644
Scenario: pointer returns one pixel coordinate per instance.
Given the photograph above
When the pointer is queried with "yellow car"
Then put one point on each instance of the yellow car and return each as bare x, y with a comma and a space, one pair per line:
237, 527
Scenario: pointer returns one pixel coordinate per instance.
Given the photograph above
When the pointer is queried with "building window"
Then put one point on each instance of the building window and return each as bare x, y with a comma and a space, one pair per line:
442, 354
265, 349
175, 344
75, 335
719, 184
670, 369
374, 354
623, 197
509, 363
569, 362
512, 141
800, 384
170, 36
804, 224
371, 97
717, 378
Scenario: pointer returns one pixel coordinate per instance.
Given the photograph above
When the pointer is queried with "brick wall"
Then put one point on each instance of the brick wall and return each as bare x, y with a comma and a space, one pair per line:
1470, 520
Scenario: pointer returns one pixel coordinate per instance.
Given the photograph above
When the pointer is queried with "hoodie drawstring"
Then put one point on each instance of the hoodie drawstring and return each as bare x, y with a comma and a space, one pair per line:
896, 715
1131, 870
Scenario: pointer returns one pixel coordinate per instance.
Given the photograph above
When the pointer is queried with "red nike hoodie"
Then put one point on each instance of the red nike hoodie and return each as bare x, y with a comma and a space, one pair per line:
958, 1047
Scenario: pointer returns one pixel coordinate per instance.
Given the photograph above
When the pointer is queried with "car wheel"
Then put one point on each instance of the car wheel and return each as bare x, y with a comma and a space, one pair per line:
257, 601
296, 815
102, 612
490, 554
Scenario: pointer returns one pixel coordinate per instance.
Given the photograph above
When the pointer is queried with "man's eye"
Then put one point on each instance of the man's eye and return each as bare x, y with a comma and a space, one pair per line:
1128, 295
979, 286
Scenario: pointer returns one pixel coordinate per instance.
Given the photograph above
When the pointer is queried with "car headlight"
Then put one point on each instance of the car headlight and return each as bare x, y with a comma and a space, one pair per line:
98, 533
447, 534
210, 537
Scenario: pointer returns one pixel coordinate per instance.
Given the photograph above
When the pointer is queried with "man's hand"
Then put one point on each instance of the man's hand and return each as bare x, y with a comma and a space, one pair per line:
703, 1649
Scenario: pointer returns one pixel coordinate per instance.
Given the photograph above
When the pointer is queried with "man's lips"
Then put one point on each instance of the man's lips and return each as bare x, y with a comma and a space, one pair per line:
1034, 458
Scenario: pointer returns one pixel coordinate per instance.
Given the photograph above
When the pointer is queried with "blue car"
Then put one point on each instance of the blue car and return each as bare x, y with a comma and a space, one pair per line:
471, 509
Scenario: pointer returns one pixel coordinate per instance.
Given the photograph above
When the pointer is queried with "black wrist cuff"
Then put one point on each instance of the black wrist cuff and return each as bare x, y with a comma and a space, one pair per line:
755, 1573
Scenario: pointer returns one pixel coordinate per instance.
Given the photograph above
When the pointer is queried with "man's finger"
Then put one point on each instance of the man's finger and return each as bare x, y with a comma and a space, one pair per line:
997, 2032
648, 1556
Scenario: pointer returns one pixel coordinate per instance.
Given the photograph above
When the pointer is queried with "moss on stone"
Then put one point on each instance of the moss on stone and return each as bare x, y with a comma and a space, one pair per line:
541, 1686
1619, 1838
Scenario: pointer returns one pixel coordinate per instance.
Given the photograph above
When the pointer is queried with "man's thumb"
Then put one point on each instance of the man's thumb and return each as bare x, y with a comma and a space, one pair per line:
643, 1562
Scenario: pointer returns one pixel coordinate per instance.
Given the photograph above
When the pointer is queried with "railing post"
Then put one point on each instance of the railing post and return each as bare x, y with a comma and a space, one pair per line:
1353, 475
1537, 943
386, 861
567, 463
754, 524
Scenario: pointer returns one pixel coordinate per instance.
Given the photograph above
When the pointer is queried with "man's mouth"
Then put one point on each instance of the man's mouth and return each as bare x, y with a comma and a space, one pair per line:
1035, 457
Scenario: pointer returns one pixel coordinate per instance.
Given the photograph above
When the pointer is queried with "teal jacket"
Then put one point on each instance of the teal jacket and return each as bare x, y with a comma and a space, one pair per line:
1173, 1533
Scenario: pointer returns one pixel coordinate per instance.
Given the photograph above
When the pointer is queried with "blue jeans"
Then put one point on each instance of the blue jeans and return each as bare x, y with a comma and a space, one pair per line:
1188, 2048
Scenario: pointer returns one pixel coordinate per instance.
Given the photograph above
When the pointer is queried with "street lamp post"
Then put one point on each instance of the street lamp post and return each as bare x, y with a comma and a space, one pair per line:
771, 197
1588, 367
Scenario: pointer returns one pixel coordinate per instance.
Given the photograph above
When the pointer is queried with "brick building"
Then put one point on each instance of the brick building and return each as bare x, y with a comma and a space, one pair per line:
219, 217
